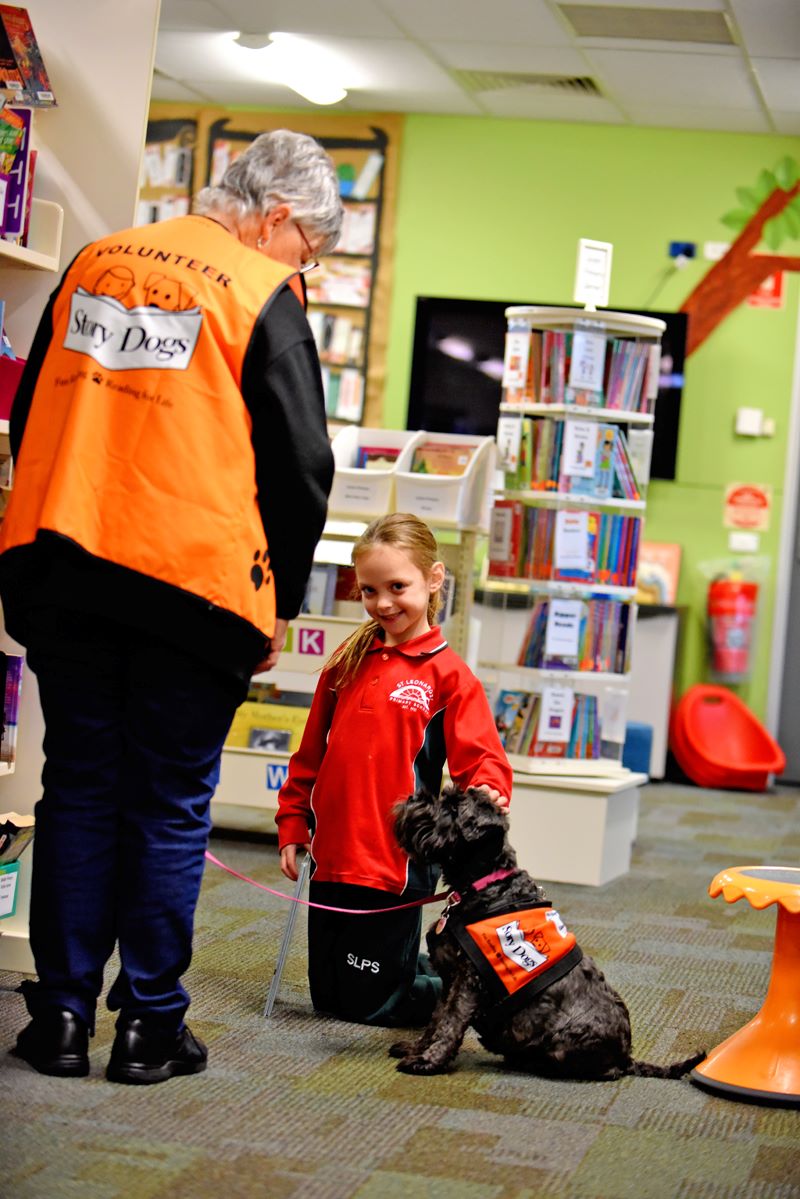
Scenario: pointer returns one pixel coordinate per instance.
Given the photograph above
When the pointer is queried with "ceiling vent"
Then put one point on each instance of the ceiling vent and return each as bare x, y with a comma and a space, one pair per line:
495, 81
649, 24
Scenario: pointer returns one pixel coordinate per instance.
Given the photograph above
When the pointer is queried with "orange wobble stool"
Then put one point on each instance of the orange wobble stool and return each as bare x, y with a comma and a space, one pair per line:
761, 1062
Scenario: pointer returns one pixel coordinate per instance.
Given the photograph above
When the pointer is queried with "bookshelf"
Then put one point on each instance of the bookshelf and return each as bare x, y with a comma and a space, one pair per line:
557, 602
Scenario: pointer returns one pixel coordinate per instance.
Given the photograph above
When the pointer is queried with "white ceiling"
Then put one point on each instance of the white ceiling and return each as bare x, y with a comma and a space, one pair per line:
738, 71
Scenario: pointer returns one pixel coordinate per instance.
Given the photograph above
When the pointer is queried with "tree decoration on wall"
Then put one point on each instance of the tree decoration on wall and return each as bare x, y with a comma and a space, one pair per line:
768, 212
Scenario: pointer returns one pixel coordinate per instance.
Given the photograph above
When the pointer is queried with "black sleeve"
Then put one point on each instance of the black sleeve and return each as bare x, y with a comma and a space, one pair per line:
282, 388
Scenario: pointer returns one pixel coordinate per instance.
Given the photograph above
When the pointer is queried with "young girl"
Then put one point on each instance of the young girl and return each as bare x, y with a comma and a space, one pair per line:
393, 702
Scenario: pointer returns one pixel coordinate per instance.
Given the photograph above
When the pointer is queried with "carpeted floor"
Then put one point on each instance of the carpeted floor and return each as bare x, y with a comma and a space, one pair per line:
303, 1106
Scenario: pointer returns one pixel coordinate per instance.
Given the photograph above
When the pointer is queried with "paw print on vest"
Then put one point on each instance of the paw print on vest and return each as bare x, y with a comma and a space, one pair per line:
260, 572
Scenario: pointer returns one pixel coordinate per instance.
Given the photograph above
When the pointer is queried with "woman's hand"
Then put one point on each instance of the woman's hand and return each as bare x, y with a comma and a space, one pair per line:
289, 860
500, 801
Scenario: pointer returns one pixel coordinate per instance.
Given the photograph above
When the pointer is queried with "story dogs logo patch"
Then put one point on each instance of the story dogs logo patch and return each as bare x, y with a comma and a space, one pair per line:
413, 694
121, 338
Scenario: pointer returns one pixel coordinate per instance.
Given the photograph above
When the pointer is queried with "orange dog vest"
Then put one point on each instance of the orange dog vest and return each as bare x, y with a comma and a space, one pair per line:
519, 952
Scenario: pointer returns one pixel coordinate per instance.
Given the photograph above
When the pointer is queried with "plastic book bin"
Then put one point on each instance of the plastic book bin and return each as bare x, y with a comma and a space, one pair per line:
719, 743
370, 493
455, 501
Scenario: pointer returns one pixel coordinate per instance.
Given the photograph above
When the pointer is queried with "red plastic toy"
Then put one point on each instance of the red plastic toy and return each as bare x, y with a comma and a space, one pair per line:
719, 743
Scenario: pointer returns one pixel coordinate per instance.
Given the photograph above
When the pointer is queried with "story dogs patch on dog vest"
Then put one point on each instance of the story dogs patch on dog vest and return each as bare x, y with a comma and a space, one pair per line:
517, 950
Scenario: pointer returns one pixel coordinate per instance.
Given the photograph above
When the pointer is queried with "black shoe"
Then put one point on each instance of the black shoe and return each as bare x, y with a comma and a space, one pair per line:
55, 1042
145, 1052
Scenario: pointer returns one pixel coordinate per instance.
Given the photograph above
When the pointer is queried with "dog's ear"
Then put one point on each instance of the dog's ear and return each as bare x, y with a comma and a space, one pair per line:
420, 823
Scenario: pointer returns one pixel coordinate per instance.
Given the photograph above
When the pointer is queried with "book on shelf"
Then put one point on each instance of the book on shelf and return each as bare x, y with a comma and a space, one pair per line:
586, 466
358, 229
441, 458
11, 682
341, 281
16, 834
23, 75
263, 714
376, 457
583, 369
505, 533
16, 190
625, 483
269, 739
658, 572
320, 589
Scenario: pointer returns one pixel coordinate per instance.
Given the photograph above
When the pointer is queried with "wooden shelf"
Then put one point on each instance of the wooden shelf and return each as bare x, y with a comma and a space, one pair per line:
43, 251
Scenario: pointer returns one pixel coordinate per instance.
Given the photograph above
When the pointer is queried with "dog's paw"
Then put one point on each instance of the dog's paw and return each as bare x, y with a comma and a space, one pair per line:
420, 1065
402, 1049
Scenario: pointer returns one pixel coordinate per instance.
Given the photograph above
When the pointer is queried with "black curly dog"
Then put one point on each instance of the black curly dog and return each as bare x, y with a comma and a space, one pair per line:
577, 1027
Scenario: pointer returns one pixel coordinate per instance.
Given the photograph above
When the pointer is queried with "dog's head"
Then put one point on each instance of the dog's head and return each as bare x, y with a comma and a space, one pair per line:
461, 831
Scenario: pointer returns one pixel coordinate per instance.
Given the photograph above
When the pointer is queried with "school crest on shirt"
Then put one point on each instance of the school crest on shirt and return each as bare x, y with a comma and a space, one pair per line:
414, 694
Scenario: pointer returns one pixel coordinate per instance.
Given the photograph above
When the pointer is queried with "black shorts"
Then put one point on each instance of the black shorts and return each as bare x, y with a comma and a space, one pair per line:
367, 969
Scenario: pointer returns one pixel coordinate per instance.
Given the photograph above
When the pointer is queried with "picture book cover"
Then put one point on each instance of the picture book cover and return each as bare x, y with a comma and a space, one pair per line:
441, 458
658, 572
36, 90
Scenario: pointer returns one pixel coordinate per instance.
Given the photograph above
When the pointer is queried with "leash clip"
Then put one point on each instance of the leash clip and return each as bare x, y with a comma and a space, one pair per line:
452, 900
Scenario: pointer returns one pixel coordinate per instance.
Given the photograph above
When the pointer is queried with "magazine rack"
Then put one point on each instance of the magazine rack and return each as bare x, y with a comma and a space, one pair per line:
565, 533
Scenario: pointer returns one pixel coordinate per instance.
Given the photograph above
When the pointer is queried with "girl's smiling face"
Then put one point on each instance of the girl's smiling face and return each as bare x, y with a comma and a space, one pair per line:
395, 592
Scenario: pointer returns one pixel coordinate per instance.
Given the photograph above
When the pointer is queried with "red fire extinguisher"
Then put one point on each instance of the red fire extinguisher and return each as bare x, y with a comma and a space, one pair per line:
732, 605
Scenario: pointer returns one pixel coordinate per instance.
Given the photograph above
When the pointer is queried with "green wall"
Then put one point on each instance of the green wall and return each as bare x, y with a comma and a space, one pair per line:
494, 209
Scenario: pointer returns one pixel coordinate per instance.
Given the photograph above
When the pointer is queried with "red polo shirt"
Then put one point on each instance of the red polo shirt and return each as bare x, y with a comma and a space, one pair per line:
386, 733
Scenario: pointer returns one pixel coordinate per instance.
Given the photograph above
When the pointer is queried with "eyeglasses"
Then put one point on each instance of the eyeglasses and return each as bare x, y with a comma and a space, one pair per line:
311, 264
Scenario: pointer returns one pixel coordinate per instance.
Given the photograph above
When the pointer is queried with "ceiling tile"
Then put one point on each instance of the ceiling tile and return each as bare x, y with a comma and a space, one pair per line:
165, 88
779, 80
345, 18
729, 120
774, 33
649, 77
507, 21
191, 14
483, 56
538, 105
786, 122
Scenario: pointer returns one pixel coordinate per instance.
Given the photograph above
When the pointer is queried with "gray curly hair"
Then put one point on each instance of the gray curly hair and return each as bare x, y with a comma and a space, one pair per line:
280, 167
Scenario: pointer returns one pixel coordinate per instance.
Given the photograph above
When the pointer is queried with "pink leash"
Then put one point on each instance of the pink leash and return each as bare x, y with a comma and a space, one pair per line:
417, 903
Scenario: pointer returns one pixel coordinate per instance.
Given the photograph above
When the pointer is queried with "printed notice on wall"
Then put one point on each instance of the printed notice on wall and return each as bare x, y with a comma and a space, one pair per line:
555, 721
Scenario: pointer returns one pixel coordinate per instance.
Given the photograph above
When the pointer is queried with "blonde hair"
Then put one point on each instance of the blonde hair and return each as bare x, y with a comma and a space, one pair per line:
402, 531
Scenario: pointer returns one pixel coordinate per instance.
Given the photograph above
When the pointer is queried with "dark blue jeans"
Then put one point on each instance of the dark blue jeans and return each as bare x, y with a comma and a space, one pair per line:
133, 737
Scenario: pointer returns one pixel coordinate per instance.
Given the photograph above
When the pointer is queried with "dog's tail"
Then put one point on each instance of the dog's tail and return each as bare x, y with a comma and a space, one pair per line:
676, 1070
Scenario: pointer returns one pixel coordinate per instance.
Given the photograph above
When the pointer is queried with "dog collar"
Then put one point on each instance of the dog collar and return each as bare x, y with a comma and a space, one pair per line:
495, 877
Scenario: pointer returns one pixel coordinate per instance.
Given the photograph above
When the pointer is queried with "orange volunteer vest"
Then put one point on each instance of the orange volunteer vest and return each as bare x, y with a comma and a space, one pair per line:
519, 953
138, 442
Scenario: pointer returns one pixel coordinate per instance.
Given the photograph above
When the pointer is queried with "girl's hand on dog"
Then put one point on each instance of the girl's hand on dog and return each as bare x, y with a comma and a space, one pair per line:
500, 801
289, 860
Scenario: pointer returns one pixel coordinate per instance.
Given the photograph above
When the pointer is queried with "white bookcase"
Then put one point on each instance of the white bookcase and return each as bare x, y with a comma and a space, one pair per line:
558, 617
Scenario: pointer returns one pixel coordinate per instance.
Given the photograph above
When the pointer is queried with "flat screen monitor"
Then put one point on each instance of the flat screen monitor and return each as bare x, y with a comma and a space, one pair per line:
457, 368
